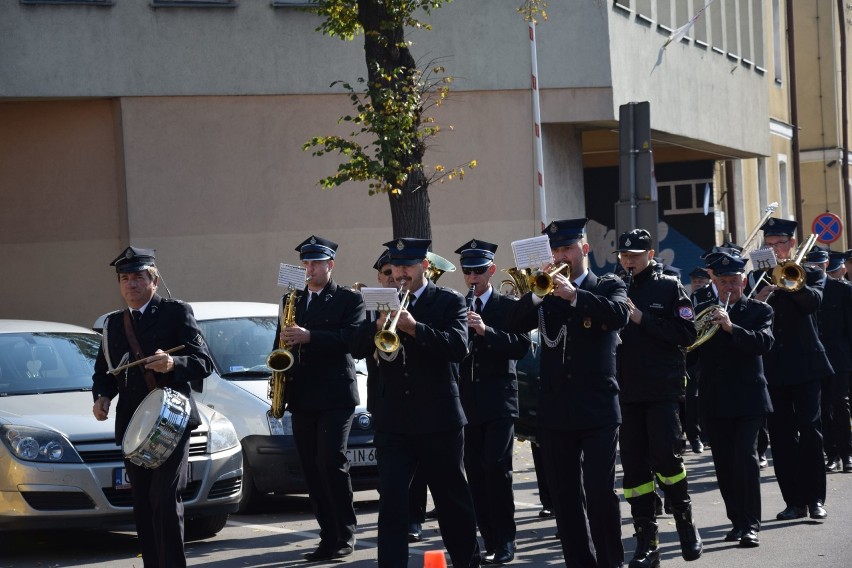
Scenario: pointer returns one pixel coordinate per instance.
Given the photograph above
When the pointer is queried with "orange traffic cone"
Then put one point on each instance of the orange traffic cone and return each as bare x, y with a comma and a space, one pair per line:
434, 559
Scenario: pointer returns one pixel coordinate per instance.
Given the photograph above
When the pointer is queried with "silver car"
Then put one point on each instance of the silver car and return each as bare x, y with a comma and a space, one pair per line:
60, 467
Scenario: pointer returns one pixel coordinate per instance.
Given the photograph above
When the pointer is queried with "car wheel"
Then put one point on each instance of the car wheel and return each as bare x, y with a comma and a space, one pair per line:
249, 495
202, 527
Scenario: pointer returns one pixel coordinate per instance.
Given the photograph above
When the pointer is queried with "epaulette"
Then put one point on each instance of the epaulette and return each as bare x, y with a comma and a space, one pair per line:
172, 300
609, 276
453, 290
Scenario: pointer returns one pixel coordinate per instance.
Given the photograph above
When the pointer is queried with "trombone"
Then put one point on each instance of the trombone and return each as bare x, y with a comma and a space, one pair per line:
788, 275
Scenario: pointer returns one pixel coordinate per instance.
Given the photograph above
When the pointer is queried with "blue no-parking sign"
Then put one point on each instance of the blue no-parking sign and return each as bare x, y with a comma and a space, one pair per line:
828, 227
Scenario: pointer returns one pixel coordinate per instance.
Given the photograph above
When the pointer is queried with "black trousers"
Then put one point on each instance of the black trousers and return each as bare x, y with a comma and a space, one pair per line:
439, 457
690, 416
541, 476
836, 430
580, 466
651, 444
733, 442
794, 428
158, 507
488, 463
417, 498
321, 438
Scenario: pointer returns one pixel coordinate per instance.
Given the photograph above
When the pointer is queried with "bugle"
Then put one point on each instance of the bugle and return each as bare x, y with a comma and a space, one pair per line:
386, 339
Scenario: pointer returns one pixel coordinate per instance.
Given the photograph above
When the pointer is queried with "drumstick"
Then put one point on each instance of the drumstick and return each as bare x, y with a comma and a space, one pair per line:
117, 370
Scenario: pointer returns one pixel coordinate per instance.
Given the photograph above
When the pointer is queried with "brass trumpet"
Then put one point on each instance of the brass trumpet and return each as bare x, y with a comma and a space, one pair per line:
280, 360
541, 282
386, 339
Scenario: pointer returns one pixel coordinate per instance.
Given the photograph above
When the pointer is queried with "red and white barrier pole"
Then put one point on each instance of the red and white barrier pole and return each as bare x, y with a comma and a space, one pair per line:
539, 153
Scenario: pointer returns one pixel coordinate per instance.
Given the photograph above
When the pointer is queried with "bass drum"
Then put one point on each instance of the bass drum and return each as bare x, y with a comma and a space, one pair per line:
156, 428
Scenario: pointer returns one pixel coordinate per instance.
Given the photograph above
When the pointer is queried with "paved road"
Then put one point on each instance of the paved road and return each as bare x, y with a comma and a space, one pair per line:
284, 530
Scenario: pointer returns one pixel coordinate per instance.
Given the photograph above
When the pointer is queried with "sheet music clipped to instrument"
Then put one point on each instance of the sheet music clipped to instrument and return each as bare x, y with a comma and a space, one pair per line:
533, 252
291, 276
380, 299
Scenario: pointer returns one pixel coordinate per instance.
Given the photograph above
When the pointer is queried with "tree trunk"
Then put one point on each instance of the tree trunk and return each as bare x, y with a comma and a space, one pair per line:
385, 48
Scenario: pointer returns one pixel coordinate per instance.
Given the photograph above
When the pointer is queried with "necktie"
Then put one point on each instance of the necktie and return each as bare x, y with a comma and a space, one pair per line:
312, 299
137, 315
478, 305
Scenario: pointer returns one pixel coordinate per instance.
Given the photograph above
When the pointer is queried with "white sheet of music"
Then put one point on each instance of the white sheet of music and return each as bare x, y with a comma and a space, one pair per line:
380, 299
291, 276
533, 252
763, 259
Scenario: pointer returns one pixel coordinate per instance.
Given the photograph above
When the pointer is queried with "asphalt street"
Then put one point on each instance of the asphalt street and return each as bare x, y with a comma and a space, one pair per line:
284, 530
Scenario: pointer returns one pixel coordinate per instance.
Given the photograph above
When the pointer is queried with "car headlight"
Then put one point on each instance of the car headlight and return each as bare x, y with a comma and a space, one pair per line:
38, 445
280, 426
222, 435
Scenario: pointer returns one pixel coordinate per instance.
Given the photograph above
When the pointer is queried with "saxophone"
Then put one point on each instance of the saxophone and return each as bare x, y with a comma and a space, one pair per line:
281, 359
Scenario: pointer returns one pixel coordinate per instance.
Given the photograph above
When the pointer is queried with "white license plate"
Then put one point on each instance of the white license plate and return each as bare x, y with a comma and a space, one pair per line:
120, 479
361, 456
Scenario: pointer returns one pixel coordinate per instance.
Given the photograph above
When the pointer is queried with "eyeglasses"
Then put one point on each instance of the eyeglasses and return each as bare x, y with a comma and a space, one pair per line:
477, 270
387, 272
778, 244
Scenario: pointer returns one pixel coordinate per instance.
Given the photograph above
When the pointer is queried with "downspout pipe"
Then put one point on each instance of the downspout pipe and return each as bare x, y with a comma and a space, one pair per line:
794, 118
844, 121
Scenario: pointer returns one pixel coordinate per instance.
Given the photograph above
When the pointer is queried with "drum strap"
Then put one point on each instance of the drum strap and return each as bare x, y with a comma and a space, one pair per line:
137, 351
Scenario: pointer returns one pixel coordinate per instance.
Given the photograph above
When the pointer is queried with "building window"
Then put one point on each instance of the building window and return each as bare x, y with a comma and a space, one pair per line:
193, 3
288, 3
67, 2
684, 197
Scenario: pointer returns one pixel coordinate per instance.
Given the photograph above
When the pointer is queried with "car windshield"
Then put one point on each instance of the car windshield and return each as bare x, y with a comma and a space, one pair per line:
32, 363
240, 346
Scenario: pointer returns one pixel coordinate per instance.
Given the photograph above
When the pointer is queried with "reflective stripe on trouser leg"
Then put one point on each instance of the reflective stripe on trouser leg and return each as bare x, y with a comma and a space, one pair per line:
644, 489
669, 480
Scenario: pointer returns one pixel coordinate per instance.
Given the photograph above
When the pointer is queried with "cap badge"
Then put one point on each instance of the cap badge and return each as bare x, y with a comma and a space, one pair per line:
400, 245
725, 261
554, 228
473, 244
772, 221
128, 254
627, 242
313, 240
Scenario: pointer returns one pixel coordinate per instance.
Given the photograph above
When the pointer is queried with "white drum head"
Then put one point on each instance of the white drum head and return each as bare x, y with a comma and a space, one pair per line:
144, 421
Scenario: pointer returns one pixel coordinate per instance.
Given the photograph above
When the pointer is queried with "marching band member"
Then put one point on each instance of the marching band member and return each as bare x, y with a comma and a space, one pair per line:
651, 375
153, 324
794, 369
835, 333
578, 408
322, 394
734, 394
418, 417
488, 385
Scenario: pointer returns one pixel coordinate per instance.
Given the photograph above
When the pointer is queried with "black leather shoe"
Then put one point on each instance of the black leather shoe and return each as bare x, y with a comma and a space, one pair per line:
762, 461
415, 532
545, 513
847, 464
503, 554
487, 556
734, 536
697, 446
816, 510
792, 512
433, 514
834, 465
324, 551
749, 539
